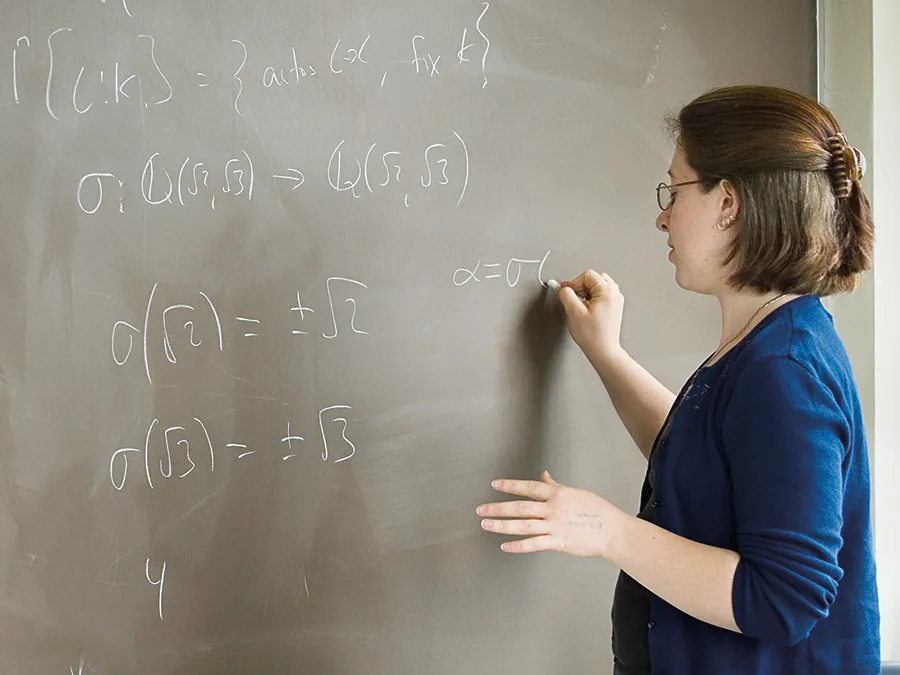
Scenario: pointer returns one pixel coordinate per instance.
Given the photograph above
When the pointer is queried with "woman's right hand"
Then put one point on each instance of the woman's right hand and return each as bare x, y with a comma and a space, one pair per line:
593, 304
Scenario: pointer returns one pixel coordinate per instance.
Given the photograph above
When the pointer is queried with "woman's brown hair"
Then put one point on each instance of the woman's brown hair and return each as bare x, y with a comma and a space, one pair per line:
805, 222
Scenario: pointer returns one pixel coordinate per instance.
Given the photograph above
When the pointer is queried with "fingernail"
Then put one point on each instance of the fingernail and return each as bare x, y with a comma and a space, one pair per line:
480, 510
486, 524
504, 547
495, 483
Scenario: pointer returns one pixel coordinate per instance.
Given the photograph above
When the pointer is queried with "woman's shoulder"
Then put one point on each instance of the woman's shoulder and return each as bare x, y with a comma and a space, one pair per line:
798, 341
791, 377
795, 351
801, 331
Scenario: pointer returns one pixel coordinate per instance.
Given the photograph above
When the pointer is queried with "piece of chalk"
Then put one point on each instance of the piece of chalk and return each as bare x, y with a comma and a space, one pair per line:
554, 286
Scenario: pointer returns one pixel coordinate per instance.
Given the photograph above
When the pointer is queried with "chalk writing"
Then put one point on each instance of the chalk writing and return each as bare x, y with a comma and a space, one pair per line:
82, 664
297, 178
179, 321
50, 68
513, 272
275, 77
487, 43
162, 185
233, 178
428, 63
251, 321
377, 165
159, 582
158, 69
123, 328
96, 180
345, 55
352, 55
167, 452
15, 68
118, 463
91, 81
119, 83
237, 179
343, 422
289, 439
300, 308
340, 281
124, 6
238, 82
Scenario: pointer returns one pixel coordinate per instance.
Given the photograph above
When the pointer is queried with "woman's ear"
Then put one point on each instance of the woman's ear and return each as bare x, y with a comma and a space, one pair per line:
730, 203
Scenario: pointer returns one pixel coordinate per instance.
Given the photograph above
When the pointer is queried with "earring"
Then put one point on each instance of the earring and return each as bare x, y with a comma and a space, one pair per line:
725, 223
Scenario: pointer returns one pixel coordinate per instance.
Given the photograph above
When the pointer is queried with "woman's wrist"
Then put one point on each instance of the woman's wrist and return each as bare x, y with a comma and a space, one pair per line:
618, 525
605, 358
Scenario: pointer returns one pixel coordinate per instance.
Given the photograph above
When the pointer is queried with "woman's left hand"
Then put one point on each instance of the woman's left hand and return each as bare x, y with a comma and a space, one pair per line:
558, 518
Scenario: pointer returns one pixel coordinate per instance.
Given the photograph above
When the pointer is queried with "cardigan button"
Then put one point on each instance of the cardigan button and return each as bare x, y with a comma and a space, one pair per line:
655, 503
651, 624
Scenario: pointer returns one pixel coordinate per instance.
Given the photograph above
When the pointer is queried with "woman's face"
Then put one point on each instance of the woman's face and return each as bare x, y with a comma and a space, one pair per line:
692, 224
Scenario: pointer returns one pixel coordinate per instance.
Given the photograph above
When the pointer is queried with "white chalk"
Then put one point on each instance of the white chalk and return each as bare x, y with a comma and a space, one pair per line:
554, 286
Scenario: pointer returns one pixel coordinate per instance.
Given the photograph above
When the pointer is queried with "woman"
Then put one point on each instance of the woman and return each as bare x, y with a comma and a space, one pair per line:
752, 552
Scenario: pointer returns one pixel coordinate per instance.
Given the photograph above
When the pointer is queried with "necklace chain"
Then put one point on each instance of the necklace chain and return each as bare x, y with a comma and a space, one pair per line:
746, 326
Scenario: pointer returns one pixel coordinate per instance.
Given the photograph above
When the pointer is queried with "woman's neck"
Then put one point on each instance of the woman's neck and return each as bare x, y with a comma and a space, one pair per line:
742, 311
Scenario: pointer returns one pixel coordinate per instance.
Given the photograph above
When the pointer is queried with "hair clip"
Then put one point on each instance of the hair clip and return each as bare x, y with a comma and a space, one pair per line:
848, 165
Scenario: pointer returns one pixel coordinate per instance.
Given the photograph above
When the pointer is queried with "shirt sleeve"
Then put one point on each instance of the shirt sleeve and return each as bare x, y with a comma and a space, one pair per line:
785, 438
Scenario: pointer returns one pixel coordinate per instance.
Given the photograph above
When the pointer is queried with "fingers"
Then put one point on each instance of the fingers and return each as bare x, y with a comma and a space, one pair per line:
584, 281
525, 488
577, 295
527, 518
571, 302
540, 543
588, 281
515, 510
517, 527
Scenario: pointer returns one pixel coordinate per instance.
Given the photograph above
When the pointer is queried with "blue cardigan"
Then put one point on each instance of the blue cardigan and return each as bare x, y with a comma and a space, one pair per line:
766, 455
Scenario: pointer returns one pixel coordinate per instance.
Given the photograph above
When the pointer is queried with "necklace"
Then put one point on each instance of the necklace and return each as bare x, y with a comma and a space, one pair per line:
746, 326
663, 435
667, 425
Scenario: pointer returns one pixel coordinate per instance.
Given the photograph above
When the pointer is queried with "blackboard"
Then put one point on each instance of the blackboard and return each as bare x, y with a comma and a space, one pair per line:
274, 317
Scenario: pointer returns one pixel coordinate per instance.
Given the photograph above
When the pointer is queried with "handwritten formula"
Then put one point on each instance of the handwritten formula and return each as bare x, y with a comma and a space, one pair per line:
188, 180
95, 87
197, 136
508, 271
177, 461
181, 317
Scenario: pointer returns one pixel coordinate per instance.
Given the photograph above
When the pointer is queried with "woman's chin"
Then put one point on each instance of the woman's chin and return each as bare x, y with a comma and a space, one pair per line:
681, 280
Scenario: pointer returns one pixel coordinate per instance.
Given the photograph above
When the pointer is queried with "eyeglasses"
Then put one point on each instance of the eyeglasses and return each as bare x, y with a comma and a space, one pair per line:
664, 195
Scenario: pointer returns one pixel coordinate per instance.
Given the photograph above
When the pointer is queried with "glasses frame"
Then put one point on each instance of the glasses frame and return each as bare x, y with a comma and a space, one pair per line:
668, 187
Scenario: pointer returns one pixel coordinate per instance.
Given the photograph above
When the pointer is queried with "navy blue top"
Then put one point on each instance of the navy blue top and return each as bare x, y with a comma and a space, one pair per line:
766, 455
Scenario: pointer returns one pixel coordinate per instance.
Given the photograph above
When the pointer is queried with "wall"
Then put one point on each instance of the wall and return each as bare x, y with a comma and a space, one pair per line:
857, 53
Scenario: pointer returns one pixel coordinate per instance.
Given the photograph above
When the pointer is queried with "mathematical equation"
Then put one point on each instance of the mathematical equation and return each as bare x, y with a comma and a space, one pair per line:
76, 86
99, 87
490, 271
180, 317
174, 446
191, 180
